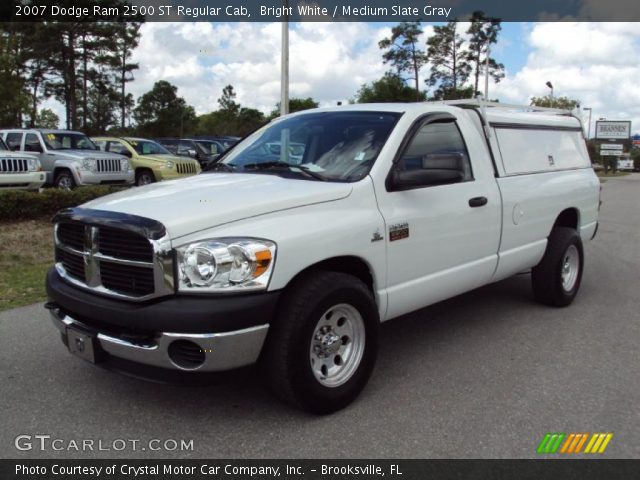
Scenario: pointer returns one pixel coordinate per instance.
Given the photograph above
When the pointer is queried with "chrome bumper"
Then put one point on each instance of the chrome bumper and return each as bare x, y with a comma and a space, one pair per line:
222, 351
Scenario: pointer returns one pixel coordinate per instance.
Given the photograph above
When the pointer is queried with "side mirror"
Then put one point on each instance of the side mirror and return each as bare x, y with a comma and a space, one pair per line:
191, 152
437, 169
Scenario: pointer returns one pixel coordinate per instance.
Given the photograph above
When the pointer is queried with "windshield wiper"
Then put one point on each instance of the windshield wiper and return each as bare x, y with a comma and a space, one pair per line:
288, 166
212, 167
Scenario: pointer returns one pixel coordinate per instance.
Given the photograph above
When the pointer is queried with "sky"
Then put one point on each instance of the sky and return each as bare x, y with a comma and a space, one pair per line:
596, 63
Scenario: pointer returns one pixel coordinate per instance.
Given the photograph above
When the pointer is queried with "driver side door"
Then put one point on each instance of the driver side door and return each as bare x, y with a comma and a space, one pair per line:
443, 225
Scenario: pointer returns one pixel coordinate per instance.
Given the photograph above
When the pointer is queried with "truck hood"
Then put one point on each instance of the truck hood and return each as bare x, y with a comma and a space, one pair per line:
203, 201
82, 154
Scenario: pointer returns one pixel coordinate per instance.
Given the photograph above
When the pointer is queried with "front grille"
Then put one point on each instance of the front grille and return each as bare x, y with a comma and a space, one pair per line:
108, 165
72, 235
186, 167
110, 260
124, 244
126, 279
14, 165
73, 264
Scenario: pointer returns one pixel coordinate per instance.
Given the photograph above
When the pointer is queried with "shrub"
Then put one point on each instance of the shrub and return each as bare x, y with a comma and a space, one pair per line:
23, 205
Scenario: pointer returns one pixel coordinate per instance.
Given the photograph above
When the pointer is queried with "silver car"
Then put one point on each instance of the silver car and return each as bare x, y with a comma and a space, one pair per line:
70, 158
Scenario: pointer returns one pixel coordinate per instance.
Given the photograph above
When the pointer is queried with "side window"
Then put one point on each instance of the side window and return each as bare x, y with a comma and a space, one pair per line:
32, 143
13, 140
437, 146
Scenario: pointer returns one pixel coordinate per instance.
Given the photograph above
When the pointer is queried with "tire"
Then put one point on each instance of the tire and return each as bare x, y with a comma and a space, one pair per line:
313, 309
556, 279
144, 177
64, 180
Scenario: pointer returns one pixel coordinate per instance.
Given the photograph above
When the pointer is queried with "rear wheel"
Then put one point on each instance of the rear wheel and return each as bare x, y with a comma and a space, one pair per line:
322, 346
64, 180
556, 279
144, 177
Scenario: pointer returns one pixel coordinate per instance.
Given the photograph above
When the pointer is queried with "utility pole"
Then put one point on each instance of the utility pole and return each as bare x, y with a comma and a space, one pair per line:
589, 128
486, 72
284, 65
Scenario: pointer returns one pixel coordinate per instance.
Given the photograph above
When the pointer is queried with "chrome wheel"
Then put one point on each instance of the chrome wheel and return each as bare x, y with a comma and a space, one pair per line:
145, 179
337, 345
65, 182
570, 268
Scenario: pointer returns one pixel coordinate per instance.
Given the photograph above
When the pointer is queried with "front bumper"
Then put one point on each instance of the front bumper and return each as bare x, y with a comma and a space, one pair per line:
85, 177
229, 330
27, 180
218, 351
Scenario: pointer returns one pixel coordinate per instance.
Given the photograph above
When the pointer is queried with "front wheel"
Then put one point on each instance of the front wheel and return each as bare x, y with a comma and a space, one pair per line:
556, 279
64, 180
144, 177
323, 344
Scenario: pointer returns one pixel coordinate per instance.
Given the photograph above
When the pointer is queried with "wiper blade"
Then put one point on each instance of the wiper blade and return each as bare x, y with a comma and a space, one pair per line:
288, 166
212, 167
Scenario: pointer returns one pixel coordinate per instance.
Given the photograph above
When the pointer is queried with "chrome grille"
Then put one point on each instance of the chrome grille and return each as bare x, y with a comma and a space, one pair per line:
14, 165
186, 167
108, 165
113, 261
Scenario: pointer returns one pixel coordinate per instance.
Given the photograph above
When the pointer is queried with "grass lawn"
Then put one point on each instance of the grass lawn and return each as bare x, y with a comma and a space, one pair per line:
611, 174
26, 253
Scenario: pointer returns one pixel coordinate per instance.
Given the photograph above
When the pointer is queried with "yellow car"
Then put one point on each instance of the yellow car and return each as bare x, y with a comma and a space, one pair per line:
150, 160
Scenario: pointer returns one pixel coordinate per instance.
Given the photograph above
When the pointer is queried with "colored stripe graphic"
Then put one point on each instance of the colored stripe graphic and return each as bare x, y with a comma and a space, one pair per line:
550, 442
572, 443
598, 442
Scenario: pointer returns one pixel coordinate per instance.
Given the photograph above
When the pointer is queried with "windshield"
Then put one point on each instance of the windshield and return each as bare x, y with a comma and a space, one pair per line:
147, 147
336, 146
68, 141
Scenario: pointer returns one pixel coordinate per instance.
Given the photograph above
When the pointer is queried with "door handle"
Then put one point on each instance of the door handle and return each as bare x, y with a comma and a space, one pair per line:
478, 201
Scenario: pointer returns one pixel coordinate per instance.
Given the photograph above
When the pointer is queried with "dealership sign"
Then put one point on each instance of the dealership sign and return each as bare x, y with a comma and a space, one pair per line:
620, 130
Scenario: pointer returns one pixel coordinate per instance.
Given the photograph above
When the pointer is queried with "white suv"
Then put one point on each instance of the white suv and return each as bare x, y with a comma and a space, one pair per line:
19, 171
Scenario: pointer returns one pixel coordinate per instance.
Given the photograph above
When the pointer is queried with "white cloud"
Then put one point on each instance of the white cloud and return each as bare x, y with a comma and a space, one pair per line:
596, 63
328, 61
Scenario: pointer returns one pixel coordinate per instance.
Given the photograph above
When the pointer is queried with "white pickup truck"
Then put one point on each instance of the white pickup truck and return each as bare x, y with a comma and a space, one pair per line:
292, 261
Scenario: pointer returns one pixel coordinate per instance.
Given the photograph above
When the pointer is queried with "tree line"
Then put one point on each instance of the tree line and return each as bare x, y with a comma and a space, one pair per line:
87, 67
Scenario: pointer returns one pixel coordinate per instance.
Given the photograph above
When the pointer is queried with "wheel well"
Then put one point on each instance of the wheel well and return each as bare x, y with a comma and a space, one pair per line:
57, 170
347, 264
568, 218
143, 169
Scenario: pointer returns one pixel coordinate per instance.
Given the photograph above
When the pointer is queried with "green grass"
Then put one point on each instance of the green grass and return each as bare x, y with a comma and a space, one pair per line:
611, 174
26, 253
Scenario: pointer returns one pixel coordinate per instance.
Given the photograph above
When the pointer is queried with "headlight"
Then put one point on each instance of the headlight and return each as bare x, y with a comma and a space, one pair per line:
167, 165
225, 264
125, 165
88, 164
33, 164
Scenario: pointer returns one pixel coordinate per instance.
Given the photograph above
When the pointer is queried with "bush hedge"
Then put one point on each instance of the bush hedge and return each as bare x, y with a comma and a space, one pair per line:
24, 205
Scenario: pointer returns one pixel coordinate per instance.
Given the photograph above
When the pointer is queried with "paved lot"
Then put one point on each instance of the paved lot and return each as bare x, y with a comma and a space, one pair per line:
483, 375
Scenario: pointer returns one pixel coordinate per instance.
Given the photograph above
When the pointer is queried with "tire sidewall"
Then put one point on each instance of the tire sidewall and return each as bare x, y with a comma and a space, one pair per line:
312, 393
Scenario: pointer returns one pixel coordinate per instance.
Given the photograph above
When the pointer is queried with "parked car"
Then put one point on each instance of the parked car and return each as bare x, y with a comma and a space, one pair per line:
19, 171
204, 151
150, 160
393, 207
70, 158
